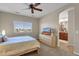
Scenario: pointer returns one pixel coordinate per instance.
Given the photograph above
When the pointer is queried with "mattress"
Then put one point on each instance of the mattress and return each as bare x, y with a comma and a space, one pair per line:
16, 45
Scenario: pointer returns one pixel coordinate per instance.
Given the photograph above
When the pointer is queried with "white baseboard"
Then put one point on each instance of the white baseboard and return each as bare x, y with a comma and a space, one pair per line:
76, 53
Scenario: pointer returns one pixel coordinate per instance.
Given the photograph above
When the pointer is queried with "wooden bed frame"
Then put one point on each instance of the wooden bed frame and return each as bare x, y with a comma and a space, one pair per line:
27, 51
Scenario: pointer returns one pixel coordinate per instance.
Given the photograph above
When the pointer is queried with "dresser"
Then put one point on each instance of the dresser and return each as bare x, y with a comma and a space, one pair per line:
63, 35
50, 40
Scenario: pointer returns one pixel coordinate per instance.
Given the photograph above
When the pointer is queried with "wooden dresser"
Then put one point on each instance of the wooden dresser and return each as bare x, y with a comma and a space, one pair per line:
63, 36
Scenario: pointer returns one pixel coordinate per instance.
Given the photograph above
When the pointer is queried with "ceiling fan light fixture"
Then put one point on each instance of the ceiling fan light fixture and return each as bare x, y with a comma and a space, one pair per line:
33, 6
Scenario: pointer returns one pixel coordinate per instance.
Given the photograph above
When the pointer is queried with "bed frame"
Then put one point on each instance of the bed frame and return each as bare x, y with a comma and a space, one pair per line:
27, 51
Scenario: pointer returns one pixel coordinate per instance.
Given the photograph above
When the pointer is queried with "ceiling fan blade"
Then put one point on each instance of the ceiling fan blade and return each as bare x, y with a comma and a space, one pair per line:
32, 10
36, 4
37, 9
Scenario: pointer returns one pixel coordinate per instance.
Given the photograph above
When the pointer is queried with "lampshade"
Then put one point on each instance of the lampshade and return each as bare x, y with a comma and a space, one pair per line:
3, 32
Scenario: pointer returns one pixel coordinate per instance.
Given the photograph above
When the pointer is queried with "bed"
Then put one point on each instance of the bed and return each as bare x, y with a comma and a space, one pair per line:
18, 45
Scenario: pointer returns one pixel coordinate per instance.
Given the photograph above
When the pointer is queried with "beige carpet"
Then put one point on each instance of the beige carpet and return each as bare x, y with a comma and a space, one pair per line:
47, 51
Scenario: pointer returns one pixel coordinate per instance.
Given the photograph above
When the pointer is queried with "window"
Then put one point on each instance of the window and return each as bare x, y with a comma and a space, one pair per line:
22, 26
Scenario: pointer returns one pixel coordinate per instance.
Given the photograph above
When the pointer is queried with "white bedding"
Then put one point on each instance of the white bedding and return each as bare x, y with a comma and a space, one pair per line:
17, 40
16, 45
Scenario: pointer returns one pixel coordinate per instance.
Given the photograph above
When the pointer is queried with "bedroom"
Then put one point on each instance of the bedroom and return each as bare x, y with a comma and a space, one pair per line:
17, 21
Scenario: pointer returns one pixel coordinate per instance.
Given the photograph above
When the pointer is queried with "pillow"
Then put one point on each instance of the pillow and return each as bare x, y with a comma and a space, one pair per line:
4, 38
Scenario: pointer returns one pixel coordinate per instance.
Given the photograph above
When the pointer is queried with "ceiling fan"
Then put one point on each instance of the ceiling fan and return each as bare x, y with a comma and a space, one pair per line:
33, 6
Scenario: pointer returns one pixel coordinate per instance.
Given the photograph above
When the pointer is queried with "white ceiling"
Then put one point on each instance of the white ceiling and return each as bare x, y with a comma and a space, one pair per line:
18, 8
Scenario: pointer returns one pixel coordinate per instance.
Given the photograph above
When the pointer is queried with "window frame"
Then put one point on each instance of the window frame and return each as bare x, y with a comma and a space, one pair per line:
22, 23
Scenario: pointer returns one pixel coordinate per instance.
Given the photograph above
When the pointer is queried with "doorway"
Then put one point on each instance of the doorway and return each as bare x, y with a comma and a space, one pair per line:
66, 30
63, 30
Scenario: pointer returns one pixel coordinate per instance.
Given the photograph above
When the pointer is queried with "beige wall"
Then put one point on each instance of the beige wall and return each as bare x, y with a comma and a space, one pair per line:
71, 26
6, 23
76, 40
49, 20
